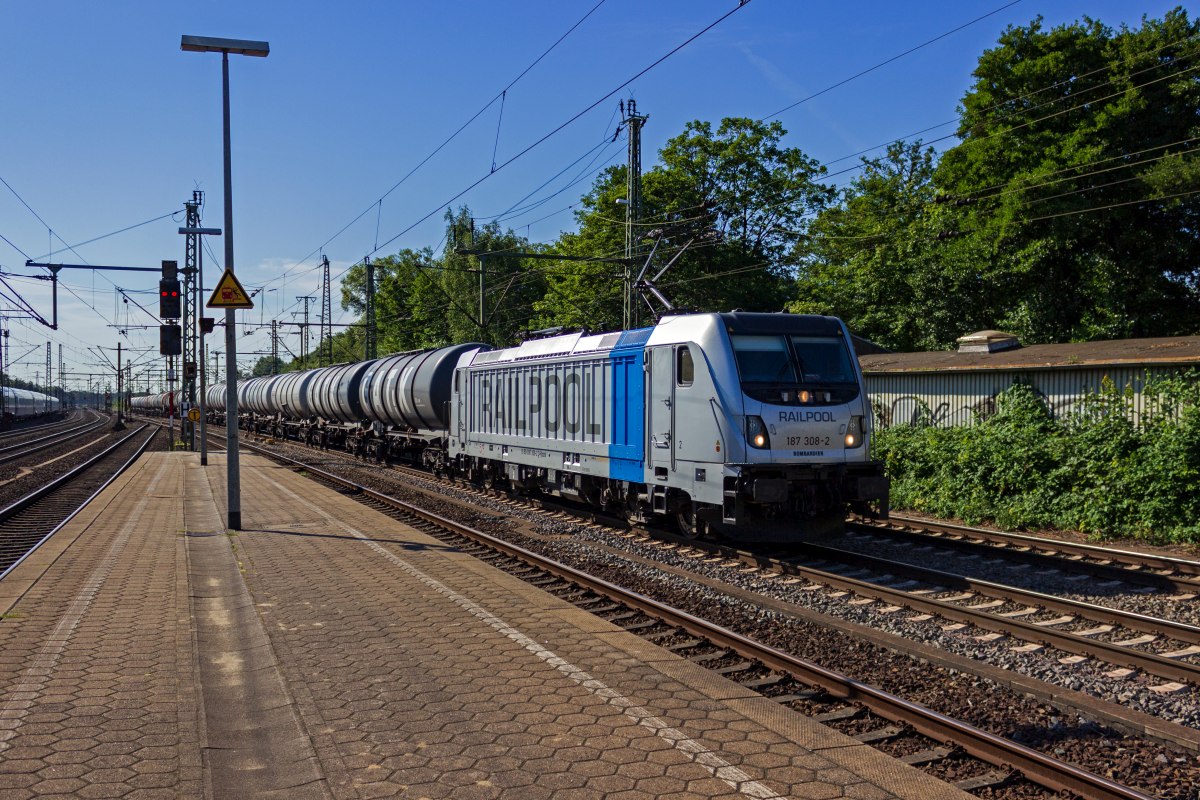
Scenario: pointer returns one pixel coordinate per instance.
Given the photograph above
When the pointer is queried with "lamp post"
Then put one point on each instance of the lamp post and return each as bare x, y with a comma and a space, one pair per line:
208, 44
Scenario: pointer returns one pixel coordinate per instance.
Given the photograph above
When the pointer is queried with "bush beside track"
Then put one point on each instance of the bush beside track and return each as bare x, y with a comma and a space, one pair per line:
1094, 471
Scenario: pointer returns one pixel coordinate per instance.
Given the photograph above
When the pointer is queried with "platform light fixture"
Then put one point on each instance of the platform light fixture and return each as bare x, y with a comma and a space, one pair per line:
244, 47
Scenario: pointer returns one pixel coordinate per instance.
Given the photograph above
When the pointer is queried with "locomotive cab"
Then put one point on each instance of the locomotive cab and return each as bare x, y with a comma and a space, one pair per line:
806, 426
760, 424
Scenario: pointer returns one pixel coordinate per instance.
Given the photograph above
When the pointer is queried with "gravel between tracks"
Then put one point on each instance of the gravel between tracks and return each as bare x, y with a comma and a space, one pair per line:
20, 484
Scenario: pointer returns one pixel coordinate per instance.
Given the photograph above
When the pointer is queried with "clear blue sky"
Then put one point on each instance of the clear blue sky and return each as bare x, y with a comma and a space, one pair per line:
107, 124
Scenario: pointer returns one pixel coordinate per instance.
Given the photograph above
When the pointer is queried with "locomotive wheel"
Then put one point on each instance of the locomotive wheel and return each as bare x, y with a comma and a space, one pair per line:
688, 523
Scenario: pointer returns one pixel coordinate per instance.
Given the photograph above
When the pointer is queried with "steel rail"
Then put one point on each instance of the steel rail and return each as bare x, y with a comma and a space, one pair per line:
1008, 542
13, 433
34, 496
1150, 663
27, 448
1038, 767
1089, 611
37, 494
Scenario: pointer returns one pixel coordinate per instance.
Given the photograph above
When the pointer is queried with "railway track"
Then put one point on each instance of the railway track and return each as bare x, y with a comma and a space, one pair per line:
29, 521
1105, 563
1037, 617
19, 451
1127, 640
17, 434
752, 662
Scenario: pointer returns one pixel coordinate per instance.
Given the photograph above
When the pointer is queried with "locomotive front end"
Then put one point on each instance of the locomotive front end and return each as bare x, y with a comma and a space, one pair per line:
805, 428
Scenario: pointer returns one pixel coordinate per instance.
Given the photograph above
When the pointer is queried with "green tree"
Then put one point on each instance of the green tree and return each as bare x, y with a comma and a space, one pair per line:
267, 365
1075, 147
425, 299
739, 183
861, 258
1063, 214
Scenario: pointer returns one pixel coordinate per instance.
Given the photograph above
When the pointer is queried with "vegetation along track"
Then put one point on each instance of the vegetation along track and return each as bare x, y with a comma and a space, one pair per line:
34, 518
778, 668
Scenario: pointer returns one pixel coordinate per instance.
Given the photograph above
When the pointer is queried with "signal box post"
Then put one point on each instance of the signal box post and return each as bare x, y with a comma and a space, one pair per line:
203, 326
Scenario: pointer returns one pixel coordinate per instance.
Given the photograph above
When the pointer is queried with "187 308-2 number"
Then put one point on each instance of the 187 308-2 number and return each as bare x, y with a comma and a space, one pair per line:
808, 441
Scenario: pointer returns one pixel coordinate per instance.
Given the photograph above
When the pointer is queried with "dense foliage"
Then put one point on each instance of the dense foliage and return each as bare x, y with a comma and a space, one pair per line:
1067, 212
1093, 471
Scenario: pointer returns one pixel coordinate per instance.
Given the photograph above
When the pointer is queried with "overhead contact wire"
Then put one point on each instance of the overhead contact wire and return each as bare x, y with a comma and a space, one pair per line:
448, 139
556, 130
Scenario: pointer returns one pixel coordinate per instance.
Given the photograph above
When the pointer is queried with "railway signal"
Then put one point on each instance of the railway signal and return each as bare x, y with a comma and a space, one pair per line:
170, 340
169, 300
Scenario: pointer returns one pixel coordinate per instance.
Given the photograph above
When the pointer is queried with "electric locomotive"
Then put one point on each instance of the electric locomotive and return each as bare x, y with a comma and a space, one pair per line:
753, 424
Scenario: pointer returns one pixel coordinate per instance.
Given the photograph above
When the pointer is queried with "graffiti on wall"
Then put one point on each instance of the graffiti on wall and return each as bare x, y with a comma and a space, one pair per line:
913, 409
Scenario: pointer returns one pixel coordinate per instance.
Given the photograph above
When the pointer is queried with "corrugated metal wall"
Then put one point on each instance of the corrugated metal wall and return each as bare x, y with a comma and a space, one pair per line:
958, 398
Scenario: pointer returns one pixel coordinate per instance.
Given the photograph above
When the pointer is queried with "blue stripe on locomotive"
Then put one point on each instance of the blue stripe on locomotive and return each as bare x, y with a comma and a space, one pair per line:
626, 453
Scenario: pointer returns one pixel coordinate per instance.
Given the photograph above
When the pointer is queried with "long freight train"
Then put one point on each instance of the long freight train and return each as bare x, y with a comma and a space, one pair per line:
756, 425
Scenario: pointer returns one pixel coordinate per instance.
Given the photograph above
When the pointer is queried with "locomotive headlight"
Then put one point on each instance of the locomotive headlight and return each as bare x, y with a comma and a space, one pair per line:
756, 433
854, 433
804, 396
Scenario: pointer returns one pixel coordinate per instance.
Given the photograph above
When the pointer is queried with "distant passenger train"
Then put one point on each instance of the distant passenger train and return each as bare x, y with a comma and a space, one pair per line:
24, 404
756, 425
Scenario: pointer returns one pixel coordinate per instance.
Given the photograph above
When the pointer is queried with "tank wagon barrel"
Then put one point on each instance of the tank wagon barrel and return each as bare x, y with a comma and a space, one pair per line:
412, 390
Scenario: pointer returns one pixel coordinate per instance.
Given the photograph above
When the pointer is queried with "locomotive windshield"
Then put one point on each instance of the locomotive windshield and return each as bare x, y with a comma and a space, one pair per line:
790, 369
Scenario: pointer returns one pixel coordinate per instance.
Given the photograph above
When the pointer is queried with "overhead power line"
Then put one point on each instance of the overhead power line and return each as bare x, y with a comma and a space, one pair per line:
53, 253
568, 122
884, 63
540, 140
377, 204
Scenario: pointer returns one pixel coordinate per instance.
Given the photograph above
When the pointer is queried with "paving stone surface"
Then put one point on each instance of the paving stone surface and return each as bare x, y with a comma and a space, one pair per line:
96, 661
329, 651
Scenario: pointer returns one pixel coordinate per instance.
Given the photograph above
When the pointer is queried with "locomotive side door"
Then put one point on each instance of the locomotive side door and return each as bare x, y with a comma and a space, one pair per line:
660, 412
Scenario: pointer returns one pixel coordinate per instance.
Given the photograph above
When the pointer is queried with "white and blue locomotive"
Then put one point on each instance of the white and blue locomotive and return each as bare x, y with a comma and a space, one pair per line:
754, 424
746, 422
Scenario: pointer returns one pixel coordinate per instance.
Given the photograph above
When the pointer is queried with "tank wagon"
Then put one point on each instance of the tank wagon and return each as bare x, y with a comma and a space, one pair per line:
753, 424
25, 404
158, 404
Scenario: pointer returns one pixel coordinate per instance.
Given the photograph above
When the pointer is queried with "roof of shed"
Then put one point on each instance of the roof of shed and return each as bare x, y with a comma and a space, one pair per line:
1165, 351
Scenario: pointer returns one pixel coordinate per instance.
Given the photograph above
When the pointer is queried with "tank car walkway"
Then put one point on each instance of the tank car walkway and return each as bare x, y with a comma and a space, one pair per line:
329, 651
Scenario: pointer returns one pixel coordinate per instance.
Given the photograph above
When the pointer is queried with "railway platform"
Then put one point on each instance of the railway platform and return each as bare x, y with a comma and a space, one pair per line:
329, 651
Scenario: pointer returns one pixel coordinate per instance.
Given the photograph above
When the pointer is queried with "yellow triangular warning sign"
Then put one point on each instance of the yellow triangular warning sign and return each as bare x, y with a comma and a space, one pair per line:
229, 293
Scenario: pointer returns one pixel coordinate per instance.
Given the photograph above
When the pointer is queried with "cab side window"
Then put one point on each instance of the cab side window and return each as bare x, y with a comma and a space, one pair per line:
685, 370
